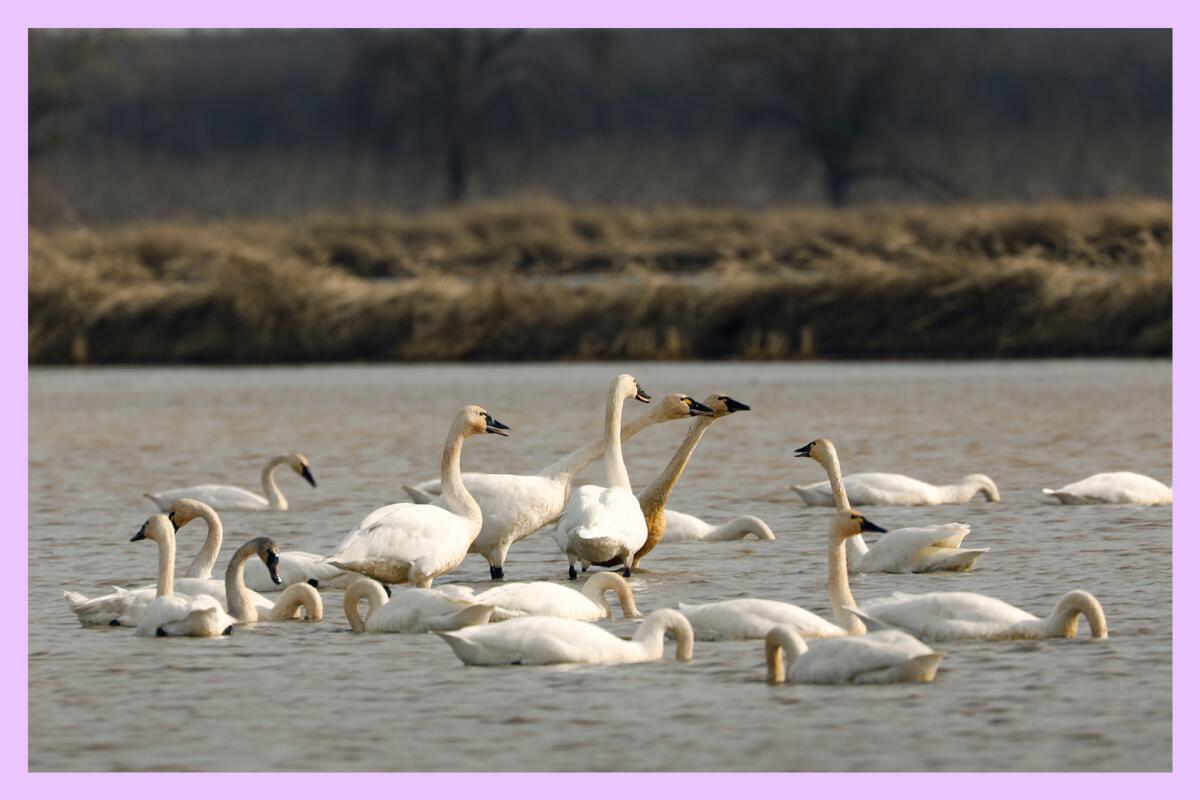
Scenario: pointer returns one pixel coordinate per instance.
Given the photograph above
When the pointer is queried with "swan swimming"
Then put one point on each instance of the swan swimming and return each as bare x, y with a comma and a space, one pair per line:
516, 506
551, 640
945, 616
603, 522
889, 489
684, 528
543, 598
233, 498
1128, 488
408, 543
409, 610
883, 657
294, 599
169, 614
934, 548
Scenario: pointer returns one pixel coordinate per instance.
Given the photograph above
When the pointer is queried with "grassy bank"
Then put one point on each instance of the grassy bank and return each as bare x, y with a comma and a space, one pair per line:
537, 281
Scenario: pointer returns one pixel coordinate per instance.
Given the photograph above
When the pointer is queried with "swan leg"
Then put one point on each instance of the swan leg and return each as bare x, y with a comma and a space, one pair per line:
571, 573
497, 572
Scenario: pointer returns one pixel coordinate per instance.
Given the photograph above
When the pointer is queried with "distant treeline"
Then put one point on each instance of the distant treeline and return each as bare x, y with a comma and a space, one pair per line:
548, 282
128, 126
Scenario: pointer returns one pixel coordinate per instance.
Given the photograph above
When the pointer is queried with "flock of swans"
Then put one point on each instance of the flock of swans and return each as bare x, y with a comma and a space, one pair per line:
410, 545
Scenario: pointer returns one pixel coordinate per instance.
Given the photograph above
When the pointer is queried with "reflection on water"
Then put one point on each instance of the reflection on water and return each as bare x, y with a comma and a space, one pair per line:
318, 698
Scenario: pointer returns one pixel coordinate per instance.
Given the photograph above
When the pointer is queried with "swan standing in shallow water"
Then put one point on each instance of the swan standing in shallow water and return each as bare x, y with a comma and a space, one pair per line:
409, 610
515, 506
883, 657
551, 640
684, 528
293, 599
603, 522
233, 498
407, 543
944, 616
169, 614
1127, 488
889, 489
930, 549
542, 598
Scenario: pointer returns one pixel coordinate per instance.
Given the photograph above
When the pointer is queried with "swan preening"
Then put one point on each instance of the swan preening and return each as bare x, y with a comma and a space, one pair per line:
409, 610
1127, 488
409, 543
542, 598
234, 498
888, 489
944, 616
552, 640
935, 548
604, 522
514, 506
681, 528
169, 614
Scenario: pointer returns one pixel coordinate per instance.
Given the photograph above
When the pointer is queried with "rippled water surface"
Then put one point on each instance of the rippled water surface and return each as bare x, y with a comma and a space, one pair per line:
316, 697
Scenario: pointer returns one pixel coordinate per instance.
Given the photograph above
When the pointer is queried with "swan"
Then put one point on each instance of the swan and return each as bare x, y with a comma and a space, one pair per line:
542, 598
944, 616
409, 610
1113, 487
683, 528
600, 522
294, 598
515, 506
233, 498
888, 489
169, 614
883, 657
408, 543
551, 640
934, 548
752, 618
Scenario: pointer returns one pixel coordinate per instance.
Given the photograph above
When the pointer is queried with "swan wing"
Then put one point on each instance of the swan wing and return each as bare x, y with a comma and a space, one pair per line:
1113, 487
221, 498
946, 615
180, 615
685, 528
122, 607
540, 598
904, 549
537, 640
607, 513
872, 658
752, 618
436, 537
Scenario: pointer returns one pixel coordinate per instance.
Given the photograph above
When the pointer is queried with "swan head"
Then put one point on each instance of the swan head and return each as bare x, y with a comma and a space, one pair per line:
851, 523
266, 549
819, 450
299, 465
676, 406
186, 509
158, 529
477, 420
631, 388
724, 405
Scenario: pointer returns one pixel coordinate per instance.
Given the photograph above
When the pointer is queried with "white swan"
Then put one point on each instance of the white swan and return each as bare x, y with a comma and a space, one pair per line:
407, 543
409, 610
233, 498
884, 657
1128, 488
603, 522
551, 640
515, 506
294, 599
752, 618
889, 489
943, 616
542, 598
684, 528
934, 548
169, 614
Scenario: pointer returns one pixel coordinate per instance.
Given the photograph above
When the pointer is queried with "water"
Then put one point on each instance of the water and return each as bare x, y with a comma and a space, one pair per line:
316, 697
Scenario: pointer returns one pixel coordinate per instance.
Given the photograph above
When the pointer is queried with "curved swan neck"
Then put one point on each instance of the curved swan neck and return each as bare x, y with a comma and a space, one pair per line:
653, 498
237, 597
166, 564
202, 564
740, 526
295, 597
839, 587
274, 497
968, 487
363, 587
779, 641
570, 465
615, 474
602, 582
1064, 619
458, 499
650, 635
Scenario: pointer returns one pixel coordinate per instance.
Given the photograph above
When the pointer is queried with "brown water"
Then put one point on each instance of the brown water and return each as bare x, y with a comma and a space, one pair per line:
316, 697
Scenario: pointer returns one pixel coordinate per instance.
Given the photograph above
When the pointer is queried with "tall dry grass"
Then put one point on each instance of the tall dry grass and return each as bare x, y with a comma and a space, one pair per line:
534, 280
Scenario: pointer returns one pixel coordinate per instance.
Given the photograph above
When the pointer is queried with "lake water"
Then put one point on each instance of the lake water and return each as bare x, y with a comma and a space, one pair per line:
316, 697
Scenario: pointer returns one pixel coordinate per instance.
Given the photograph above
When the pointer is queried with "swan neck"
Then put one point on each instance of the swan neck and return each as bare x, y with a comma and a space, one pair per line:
781, 642
166, 565
834, 470
295, 597
741, 526
202, 564
1064, 619
363, 587
601, 583
614, 462
650, 635
839, 587
271, 491
654, 497
237, 597
458, 499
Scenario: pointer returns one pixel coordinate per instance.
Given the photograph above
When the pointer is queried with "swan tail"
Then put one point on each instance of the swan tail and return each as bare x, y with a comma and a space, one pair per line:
158, 502
872, 624
75, 600
813, 497
418, 496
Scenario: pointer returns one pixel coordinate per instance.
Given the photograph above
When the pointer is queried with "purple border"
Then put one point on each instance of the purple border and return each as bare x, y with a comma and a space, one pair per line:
18, 17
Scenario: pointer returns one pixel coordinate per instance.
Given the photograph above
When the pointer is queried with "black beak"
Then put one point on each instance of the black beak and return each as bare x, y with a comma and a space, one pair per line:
806, 451
273, 568
641, 395
733, 405
308, 476
697, 409
495, 425
867, 525
141, 534
387, 590
171, 517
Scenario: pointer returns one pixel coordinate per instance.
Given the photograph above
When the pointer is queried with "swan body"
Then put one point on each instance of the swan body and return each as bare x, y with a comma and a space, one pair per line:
411, 543
751, 618
934, 548
882, 657
234, 498
297, 566
1128, 488
945, 616
605, 522
409, 610
889, 489
515, 506
681, 528
551, 640
542, 598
